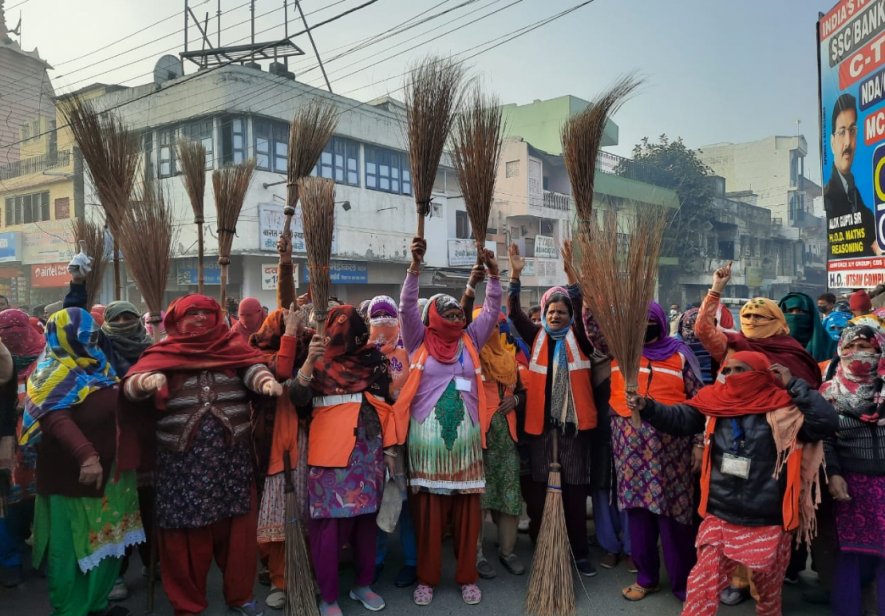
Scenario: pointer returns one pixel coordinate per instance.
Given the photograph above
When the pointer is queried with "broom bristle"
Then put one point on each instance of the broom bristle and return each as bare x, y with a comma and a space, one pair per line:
477, 151
551, 587
619, 263
312, 127
92, 232
300, 597
146, 236
230, 184
192, 156
111, 153
581, 137
433, 94
318, 220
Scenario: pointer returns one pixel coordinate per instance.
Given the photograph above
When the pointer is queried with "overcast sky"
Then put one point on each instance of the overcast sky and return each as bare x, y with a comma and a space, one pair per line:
717, 70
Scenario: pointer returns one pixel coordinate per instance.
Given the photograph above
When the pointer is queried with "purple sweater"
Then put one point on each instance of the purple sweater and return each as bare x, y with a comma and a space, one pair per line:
438, 375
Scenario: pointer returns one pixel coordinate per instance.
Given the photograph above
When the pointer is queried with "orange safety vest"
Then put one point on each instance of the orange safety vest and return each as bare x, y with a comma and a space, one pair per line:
401, 408
662, 381
333, 429
794, 479
579, 369
493, 400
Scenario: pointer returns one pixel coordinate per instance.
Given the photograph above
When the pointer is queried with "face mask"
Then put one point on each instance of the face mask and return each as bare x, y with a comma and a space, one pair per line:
652, 332
801, 327
673, 313
196, 324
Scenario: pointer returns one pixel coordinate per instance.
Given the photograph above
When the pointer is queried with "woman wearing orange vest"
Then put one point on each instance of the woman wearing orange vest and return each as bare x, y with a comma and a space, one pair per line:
345, 386
654, 470
759, 478
560, 399
442, 404
505, 399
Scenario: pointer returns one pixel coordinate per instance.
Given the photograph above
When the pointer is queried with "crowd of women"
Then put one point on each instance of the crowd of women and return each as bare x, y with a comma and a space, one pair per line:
757, 440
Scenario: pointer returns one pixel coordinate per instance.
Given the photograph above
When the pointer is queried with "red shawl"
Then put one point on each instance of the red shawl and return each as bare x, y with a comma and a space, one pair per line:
351, 364
749, 393
783, 350
208, 346
443, 337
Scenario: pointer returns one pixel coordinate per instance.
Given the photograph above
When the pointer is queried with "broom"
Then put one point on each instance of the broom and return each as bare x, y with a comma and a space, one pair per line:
192, 155
477, 150
147, 238
230, 184
111, 153
551, 589
581, 137
318, 219
90, 235
300, 597
433, 93
312, 127
619, 263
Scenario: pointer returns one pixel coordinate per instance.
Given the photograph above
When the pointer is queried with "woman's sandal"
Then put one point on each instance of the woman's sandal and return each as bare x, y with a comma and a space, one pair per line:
635, 592
423, 595
471, 594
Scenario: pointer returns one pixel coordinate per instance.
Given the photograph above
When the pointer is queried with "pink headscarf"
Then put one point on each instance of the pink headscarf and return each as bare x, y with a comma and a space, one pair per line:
251, 317
97, 313
150, 328
18, 336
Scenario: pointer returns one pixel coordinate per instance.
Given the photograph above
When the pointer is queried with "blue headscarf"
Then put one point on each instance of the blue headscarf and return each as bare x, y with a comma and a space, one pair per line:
562, 405
835, 322
73, 367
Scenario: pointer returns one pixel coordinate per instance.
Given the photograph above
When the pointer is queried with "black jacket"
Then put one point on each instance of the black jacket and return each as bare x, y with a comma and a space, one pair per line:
757, 500
839, 203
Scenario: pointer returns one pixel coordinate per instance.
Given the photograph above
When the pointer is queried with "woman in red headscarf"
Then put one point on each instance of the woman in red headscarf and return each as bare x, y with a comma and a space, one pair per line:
251, 317
17, 465
199, 378
759, 477
345, 387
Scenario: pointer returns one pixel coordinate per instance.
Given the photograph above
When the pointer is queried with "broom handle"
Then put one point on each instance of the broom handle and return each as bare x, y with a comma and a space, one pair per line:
634, 414
201, 274
287, 469
224, 290
118, 285
555, 457
420, 232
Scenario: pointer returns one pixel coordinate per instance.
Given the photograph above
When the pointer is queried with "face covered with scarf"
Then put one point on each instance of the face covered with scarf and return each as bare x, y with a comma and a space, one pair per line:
444, 321
835, 323
660, 345
384, 327
762, 318
73, 367
350, 364
856, 388
800, 315
251, 315
126, 330
498, 362
22, 340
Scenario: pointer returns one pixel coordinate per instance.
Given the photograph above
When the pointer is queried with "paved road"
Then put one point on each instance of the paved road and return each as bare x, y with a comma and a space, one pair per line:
502, 596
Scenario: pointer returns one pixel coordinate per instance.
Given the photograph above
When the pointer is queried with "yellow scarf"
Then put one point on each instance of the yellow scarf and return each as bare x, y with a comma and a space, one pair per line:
498, 364
756, 329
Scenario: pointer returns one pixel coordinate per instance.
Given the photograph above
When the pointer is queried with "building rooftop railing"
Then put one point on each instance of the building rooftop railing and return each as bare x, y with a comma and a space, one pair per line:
36, 164
628, 168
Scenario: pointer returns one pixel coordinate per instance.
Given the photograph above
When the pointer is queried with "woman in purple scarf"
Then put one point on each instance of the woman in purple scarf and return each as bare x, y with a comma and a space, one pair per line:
654, 470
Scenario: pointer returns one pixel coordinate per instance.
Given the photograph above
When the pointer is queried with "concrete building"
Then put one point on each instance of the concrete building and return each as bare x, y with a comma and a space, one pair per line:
772, 171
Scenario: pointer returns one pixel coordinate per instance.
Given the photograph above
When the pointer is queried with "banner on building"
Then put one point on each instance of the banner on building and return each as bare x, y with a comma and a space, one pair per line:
462, 253
50, 275
188, 274
10, 246
852, 119
343, 272
545, 247
270, 223
270, 276
48, 242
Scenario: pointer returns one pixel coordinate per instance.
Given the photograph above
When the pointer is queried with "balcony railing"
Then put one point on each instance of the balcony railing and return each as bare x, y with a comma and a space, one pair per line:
627, 168
557, 201
37, 164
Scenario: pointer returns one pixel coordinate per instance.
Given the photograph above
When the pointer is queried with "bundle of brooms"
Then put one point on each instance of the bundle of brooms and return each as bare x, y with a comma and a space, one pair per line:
311, 129
89, 236
111, 153
477, 151
433, 94
192, 156
230, 184
318, 219
147, 239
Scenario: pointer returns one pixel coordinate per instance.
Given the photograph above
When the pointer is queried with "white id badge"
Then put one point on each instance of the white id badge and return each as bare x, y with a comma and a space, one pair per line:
462, 384
735, 466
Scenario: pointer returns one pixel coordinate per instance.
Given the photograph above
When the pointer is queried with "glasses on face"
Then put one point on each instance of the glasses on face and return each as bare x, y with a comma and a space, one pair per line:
454, 317
847, 130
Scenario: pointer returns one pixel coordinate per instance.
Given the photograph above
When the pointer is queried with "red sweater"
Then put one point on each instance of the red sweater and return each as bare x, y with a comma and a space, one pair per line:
72, 436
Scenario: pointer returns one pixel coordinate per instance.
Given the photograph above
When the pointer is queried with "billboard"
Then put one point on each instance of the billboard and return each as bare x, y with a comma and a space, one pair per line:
851, 61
